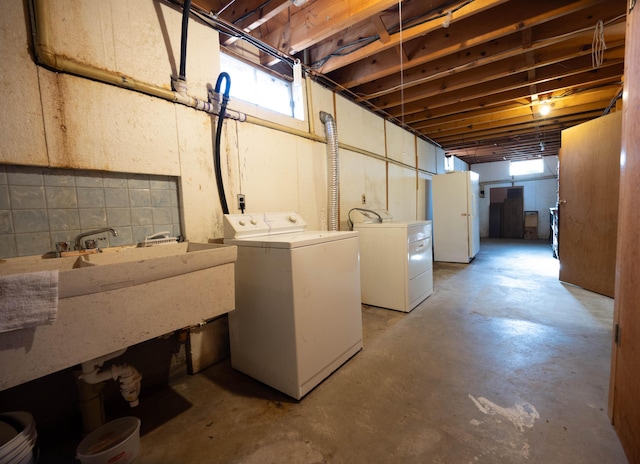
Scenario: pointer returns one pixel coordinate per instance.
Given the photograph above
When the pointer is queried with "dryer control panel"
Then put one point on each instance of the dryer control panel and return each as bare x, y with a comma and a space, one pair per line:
257, 224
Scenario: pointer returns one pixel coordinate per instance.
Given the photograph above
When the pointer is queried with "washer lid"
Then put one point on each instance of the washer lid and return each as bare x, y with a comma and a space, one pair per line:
292, 240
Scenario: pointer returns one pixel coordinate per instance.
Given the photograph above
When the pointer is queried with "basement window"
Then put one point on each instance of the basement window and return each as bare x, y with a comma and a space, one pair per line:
520, 168
252, 85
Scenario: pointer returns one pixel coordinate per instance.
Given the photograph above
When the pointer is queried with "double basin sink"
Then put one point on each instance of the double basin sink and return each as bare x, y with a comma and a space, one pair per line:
115, 299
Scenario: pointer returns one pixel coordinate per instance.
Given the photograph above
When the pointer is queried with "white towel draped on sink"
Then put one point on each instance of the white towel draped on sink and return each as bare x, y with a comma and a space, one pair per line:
28, 300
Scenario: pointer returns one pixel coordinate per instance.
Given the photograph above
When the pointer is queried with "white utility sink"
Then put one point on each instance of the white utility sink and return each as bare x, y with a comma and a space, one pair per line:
115, 299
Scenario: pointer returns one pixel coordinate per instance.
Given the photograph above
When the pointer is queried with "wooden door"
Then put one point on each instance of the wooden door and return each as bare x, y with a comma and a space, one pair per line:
588, 213
624, 407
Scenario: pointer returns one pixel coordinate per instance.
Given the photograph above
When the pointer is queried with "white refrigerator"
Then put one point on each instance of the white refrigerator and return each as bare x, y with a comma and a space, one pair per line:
456, 225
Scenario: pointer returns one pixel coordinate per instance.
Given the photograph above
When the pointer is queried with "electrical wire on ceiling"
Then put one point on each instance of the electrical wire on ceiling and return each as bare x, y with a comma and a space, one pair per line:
252, 12
574, 91
223, 27
613, 102
231, 2
598, 46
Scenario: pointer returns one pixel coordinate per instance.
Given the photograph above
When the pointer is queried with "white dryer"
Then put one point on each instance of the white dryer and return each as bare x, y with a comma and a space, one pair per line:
298, 315
396, 260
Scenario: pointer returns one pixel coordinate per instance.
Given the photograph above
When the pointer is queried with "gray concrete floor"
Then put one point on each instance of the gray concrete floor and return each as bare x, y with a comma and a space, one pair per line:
502, 364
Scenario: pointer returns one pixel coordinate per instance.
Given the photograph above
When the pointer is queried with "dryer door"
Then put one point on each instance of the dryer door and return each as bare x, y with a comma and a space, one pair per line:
419, 257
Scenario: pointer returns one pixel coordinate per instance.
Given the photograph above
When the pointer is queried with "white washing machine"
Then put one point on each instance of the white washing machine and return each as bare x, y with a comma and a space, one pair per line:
298, 315
396, 261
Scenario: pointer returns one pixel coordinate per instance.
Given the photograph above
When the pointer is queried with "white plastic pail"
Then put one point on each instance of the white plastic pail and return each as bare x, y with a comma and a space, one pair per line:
18, 437
116, 442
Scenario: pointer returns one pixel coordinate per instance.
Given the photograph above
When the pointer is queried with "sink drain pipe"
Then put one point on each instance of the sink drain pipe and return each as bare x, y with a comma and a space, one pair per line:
129, 377
332, 169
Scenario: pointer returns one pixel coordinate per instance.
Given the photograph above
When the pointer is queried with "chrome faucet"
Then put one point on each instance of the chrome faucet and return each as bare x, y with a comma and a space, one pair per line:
79, 237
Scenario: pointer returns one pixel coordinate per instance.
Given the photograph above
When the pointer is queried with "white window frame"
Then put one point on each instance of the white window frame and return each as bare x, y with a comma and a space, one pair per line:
252, 102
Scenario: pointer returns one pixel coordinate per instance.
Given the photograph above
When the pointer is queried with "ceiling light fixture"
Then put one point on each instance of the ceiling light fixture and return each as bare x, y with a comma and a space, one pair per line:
544, 109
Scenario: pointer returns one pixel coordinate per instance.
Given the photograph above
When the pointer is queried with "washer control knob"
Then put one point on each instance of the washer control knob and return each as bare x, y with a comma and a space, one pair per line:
253, 221
293, 219
242, 222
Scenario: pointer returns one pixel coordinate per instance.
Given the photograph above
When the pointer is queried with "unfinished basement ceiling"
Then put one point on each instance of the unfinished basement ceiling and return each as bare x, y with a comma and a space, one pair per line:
469, 75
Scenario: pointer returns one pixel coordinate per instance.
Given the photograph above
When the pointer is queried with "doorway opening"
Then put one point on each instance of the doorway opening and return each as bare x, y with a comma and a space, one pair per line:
506, 210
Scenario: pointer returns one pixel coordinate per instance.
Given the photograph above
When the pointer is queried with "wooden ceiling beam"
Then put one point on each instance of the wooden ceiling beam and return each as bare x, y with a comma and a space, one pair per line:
547, 59
530, 147
490, 133
481, 116
479, 29
253, 14
316, 21
573, 85
370, 30
482, 55
407, 34
479, 154
550, 79
525, 128
527, 142
381, 29
511, 118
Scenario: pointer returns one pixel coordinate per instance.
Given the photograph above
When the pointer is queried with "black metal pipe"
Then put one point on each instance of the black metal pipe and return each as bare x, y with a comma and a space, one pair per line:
186, 10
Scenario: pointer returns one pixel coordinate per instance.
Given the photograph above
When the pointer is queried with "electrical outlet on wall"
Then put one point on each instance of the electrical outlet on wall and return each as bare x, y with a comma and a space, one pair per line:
241, 204
364, 199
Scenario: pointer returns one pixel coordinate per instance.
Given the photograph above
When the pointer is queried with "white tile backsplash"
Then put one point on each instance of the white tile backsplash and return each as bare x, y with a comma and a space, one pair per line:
4, 197
27, 197
40, 207
61, 197
30, 220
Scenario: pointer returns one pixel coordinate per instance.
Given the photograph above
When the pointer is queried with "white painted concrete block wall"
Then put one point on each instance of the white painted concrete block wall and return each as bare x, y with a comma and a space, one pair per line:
359, 128
102, 127
363, 175
141, 41
400, 144
21, 124
402, 192
427, 156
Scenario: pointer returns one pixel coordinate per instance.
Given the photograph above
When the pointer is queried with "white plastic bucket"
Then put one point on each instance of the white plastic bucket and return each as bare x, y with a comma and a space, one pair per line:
116, 442
19, 449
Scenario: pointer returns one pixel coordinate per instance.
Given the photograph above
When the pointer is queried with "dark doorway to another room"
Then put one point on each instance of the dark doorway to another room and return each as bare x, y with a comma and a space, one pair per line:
506, 210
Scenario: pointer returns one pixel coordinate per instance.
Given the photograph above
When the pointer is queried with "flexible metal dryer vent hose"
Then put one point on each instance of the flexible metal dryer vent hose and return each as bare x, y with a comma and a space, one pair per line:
332, 169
